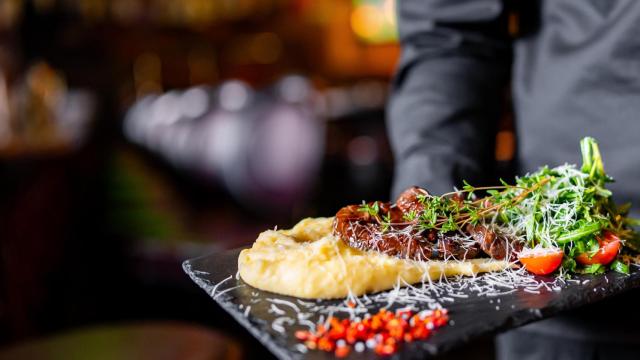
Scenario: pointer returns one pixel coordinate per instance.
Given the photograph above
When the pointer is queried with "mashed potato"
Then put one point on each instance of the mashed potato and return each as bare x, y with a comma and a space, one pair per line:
309, 262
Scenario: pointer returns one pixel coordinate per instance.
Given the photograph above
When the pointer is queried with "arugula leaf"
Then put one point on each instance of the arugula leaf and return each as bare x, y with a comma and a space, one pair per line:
579, 233
569, 264
620, 267
594, 269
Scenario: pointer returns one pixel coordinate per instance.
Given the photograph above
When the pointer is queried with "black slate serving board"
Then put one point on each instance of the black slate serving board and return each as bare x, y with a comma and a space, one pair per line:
471, 316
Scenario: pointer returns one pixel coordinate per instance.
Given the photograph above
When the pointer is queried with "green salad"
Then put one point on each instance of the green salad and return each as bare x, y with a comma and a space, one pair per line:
564, 217
571, 209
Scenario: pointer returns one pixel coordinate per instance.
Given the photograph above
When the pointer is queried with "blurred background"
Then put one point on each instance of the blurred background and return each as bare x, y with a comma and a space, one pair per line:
135, 134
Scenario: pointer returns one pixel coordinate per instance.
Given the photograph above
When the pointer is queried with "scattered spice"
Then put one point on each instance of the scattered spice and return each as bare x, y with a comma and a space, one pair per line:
383, 332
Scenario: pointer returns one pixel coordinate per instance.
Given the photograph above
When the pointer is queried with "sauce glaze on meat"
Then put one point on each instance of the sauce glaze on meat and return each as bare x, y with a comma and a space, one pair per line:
404, 239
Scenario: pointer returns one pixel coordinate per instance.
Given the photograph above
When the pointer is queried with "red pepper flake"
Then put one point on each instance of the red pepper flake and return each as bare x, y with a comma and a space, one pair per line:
302, 335
342, 351
325, 344
385, 349
320, 330
384, 331
408, 337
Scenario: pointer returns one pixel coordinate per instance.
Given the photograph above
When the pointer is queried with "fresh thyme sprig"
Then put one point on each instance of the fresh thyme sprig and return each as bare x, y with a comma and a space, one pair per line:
451, 211
372, 209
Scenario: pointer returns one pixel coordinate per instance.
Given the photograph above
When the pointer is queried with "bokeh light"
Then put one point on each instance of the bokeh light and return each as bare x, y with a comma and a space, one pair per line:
374, 21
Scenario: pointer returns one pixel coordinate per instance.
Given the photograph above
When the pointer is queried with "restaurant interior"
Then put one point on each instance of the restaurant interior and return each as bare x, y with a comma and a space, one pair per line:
136, 134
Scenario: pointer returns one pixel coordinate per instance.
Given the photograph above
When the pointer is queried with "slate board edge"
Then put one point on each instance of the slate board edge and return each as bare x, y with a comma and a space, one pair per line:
516, 320
263, 337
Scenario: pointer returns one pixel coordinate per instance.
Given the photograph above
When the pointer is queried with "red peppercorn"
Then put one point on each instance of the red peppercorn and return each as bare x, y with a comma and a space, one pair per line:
361, 331
420, 332
342, 351
351, 335
390, 340
384, 331
320, 330
397, 333
376, 323
325, 344
302, 335
385, 349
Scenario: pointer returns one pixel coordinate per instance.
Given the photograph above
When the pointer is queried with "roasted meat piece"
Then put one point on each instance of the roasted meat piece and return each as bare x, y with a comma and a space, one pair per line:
497, 246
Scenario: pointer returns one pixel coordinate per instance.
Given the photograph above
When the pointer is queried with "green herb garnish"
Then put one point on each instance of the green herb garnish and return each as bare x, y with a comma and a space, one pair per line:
620, 267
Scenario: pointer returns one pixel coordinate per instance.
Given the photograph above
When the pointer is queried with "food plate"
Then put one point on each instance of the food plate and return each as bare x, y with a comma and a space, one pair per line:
475, 309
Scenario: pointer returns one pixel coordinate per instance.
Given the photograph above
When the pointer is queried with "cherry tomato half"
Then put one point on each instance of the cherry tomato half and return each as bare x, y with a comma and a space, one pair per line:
609, 247
541, 261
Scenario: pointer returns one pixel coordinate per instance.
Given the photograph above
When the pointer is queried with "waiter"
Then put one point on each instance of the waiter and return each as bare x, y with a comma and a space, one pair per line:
573, 69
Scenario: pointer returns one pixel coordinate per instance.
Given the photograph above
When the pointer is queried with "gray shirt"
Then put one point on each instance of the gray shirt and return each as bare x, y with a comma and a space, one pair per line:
573, 71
